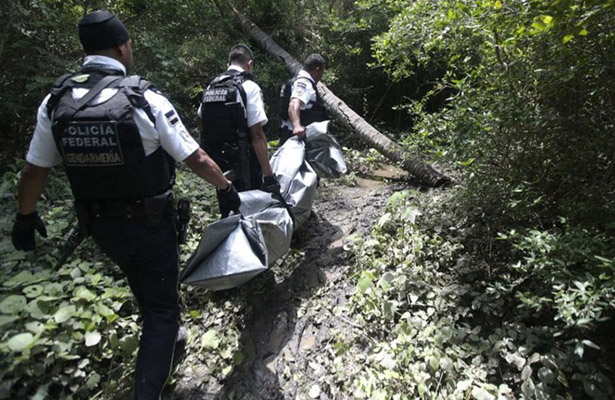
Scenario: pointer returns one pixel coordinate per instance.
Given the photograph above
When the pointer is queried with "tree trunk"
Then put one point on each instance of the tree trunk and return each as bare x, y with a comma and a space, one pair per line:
344, 114
8, 11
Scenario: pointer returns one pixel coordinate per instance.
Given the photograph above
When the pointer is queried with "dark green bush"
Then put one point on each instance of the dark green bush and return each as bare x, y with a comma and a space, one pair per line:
530, 117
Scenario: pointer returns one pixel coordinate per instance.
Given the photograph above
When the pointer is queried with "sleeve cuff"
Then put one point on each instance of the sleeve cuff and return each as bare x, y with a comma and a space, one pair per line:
187, 152
39, 162
262, 122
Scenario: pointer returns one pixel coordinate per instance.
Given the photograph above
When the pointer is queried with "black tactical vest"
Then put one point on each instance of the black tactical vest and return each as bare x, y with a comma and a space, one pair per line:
101, 145
317, 111
223, 117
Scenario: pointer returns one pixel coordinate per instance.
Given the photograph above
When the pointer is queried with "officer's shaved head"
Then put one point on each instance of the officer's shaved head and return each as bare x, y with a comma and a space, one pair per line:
314, 62
240, 54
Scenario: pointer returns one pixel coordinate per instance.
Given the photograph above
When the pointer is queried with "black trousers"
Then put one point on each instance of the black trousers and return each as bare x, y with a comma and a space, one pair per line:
149, 258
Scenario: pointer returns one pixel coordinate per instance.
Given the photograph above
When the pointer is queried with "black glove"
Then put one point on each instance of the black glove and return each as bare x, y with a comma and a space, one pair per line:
271, 184
23, 231
228, 200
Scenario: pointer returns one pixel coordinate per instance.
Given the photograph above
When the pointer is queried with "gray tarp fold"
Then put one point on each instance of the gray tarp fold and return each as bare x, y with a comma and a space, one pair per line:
297, 178
273, 219
236, 249
231, 252
323, 152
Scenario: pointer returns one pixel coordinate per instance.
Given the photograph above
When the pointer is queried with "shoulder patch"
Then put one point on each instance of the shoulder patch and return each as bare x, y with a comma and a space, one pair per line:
299, 90
81, 78
172, 117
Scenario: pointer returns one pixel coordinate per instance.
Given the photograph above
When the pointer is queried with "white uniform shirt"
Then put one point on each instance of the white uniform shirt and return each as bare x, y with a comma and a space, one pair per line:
303, 90
254, 111
169, 131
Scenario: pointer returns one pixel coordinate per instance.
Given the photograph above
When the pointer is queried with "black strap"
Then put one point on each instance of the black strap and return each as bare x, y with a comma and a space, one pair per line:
57, 91
135, 87
243, 76
82, 102
309, 80
103, 83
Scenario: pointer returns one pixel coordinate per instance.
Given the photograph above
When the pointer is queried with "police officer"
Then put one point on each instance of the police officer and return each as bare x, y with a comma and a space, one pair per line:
118, 138
233, 114
305, 105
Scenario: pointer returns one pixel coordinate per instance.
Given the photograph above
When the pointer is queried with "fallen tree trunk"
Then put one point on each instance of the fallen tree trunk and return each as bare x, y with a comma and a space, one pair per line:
344, 114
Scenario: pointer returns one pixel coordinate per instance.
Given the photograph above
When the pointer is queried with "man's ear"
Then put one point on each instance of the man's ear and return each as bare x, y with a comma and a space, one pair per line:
121, 49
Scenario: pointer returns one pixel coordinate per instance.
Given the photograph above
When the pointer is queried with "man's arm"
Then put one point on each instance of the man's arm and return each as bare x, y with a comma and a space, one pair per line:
259, 143
202, 165
256, 119
31, 185
294, 108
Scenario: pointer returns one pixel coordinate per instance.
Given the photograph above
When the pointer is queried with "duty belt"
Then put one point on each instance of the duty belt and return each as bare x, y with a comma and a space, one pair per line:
153, 210
116, 209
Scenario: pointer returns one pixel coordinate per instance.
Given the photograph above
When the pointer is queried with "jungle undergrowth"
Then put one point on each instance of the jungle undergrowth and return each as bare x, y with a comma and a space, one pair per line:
434, 316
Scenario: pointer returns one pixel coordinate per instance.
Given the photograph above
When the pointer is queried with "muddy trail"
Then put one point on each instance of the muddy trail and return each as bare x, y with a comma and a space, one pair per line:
289, 310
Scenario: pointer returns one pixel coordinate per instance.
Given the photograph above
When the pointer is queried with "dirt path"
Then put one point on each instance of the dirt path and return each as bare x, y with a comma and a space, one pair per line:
289, 321
290, 308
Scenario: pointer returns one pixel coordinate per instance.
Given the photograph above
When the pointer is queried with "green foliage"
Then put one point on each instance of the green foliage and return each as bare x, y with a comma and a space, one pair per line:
64, 330
528, 115
37, 44
72, 333
572, 263
181, 55
430, 315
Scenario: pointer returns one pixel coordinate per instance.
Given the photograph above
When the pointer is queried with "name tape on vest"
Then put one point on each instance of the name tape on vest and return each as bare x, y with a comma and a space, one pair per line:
91, 144
215, 95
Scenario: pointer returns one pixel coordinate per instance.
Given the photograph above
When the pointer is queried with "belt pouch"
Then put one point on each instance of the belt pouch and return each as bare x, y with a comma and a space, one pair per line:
155, 208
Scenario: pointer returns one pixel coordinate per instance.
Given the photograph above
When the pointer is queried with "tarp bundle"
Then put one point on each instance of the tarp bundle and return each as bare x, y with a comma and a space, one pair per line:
273, 219
231, 251
236, 249
323, 152
297, 178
